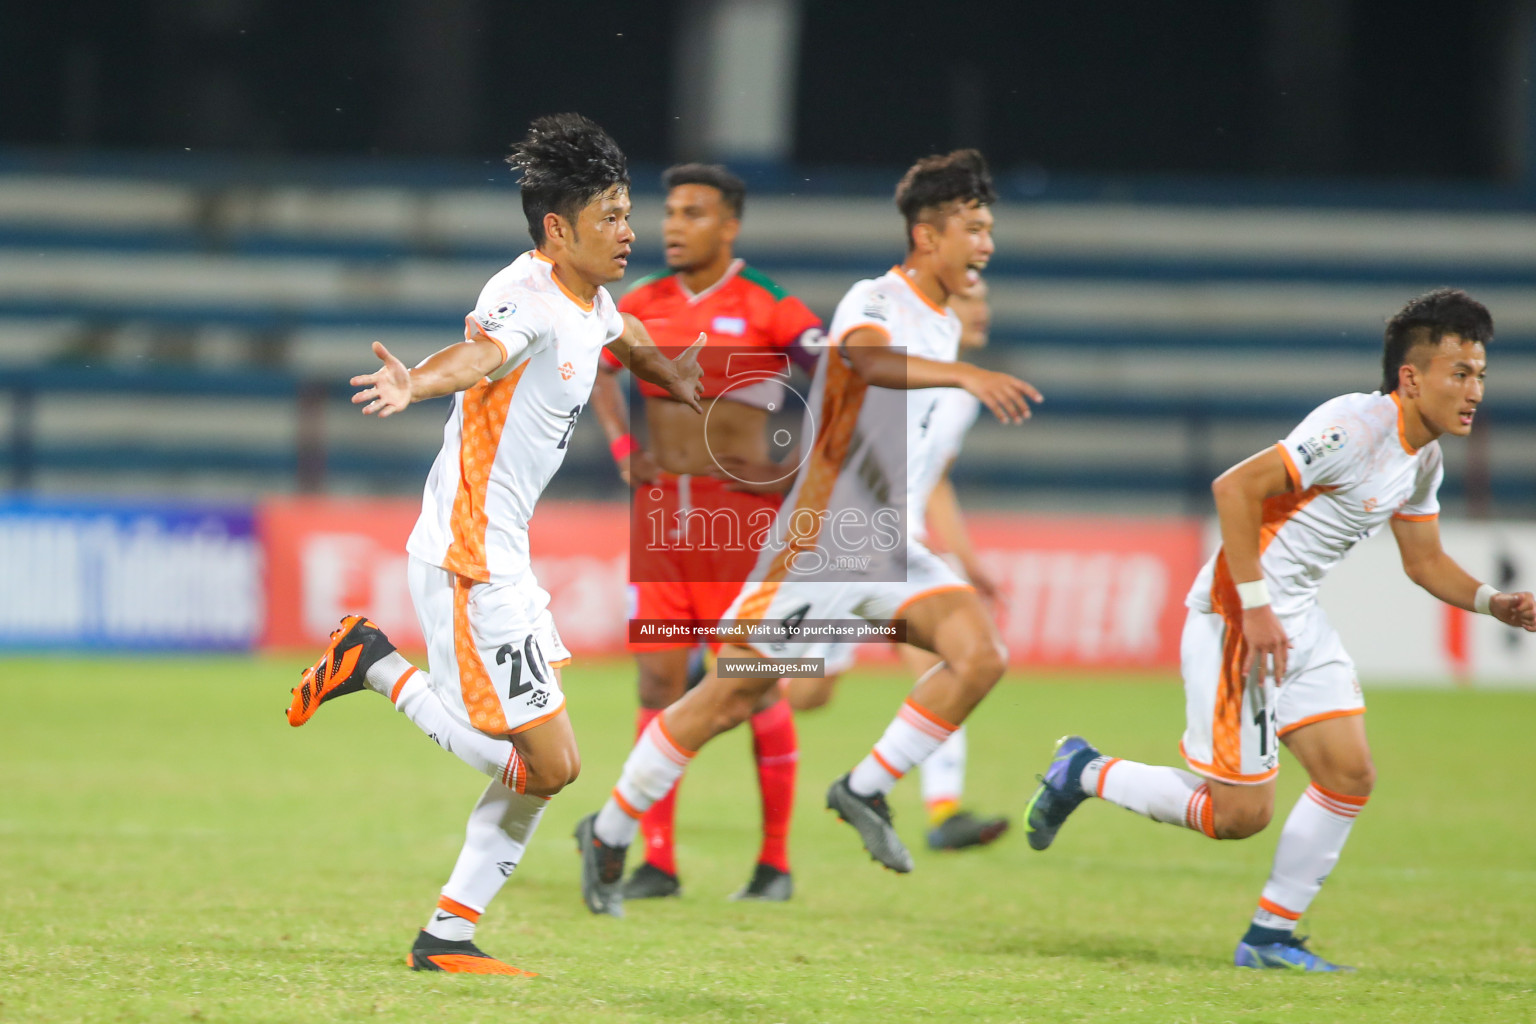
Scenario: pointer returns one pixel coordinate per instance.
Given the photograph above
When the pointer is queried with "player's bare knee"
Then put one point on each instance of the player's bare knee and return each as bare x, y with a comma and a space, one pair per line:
1351, 780
807, 700
808, 694
658, 690
979, 670
552, 773
1242, 821
739, 702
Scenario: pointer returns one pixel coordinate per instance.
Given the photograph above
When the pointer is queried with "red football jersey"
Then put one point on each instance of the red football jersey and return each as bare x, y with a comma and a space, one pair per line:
745, 309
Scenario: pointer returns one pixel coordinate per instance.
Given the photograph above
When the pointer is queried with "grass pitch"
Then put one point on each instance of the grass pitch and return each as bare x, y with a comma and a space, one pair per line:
171, 850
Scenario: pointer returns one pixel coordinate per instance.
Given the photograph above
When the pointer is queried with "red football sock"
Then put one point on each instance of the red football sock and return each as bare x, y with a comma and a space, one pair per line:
656, 823
773, 743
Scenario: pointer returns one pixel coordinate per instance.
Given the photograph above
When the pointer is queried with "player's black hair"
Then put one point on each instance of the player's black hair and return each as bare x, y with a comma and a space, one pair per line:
733, 191
1425, 321
566, 161
934, 182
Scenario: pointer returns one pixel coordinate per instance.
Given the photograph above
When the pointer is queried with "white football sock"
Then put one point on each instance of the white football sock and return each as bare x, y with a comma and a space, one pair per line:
495, 839
944, 771
388, 672
912, 736
488, 755
1310, 844
651, 770
1159, 792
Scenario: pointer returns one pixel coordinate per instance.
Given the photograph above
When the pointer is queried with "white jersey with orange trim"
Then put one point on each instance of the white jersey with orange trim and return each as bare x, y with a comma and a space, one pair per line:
892, 305
948, 417
1351, 471
841, 545
509, 433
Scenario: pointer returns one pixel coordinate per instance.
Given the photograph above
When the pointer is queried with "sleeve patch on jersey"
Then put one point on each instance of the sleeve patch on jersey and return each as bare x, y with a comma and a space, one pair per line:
729, 325
877, 307
1313, 448
497, 318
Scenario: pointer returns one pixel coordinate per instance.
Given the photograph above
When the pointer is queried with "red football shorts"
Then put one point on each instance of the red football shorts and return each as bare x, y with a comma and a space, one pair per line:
693, 543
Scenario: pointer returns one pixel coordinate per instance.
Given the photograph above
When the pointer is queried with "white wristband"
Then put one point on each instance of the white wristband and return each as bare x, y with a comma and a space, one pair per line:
1254, 594
1484, 598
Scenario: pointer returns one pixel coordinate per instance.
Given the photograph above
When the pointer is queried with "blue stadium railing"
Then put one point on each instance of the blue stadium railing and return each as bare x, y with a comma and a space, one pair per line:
314, 457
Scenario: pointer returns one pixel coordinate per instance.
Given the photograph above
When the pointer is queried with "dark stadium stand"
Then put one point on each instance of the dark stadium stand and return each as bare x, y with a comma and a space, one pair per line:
200, 327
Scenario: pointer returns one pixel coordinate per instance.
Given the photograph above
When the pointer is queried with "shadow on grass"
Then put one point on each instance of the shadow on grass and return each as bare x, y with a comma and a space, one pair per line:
1100, 948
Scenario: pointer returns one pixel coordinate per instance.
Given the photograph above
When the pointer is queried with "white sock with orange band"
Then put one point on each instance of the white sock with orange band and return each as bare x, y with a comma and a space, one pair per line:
913, 734
488, 755
944, 778
1310, 844
651, 770
1159, 792
498, 832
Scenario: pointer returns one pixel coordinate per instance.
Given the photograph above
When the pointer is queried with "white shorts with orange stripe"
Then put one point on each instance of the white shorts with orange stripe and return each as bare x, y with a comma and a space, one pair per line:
492, 649
1232, 732
809, 599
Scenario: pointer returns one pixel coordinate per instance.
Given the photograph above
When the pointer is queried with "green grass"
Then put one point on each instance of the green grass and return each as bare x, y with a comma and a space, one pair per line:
171, 850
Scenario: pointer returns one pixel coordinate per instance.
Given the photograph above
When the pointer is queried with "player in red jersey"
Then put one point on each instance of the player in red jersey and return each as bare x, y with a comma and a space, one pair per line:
706, 289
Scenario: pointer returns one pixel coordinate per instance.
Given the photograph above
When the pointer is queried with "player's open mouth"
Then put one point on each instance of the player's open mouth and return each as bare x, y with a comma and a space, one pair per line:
1466, 416
973, 273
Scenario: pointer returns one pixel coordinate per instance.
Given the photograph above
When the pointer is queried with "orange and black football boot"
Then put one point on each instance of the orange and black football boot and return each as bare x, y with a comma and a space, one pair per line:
430, 953
342, 669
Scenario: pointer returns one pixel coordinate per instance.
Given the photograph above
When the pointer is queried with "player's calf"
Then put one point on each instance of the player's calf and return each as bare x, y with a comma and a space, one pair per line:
715, 706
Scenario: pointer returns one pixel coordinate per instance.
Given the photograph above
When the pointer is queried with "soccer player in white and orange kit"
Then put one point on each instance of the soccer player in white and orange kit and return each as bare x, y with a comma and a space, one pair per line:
948, 416
519, 380
1261, 663
890, 337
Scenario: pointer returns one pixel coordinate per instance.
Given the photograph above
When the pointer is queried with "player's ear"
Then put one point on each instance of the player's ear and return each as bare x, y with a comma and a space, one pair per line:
924, 237
556, 226
1408, 380
730, 229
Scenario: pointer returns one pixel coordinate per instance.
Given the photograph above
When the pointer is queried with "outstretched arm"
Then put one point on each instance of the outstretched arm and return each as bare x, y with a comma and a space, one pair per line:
1427, 564
869, 352
392, 387
639, 354
1240, 494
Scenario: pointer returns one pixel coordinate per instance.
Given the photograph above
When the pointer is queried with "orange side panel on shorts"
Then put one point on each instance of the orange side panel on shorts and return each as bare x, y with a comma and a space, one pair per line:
841, 402
1227, 720
480, 697
485, 409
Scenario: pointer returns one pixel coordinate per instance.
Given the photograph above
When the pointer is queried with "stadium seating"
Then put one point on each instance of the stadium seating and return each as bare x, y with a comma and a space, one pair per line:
158, 326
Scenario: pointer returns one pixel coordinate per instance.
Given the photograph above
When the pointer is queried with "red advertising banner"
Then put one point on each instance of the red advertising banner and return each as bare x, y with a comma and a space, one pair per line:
329, 557
1093, 593
1085, 592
